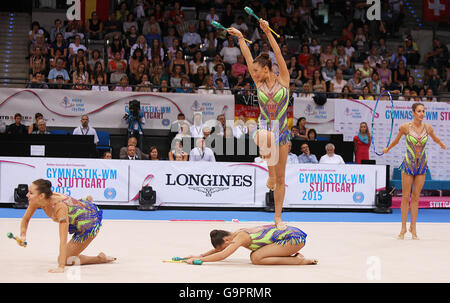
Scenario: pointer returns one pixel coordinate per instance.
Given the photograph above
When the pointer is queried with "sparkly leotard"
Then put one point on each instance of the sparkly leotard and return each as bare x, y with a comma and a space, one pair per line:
415, 162
84, 218
273, 104
270, 234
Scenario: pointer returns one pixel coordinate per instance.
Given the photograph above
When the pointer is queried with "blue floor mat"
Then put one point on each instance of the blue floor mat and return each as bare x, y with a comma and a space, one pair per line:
425, 215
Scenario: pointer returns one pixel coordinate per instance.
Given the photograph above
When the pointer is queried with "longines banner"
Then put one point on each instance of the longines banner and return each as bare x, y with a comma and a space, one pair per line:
63, 108
203, 184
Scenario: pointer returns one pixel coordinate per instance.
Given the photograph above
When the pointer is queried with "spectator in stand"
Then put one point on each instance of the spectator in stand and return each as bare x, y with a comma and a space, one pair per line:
122, 12
58, 28
75, 46
312, 134
145, 85
438, 57
17, 128
126, 26
175, 77
85, 130
37, 63
97, 72
136, 60
131, 37
328, 71
385, 74
228, 17
296, 72
365, 94
362, 143
41, 44
429, 96
96, 58
100, 83
112, 26
79, 84
151, 37
107, 155
210, 17
216, 60
114, 64
181, 62
411, 85
196, 62
33, 127
123, 85
73, 28
240, 25
58, 70
177, 151
136, 77
306, 156
309, 70
366, 71
221, 89
397, 57
374, 58
346, 94
383, 50
210, 44
81, 71
406, 95
59, 44
198, 77
208, 86
41, 128
201, 152
220, 73
434, 82
147, 28
330, 157
60, 83
349, 50
94, 27
158, 75
347, 33
153, 153
176, 15
412, 51
229, 53
343, 61
302, 129
318, 83
35, 30
356, 84
131, 153
191, 40
132, 141
185, 86
116, 46
141, 43
239, 68
315, 48
292, 158
401, 75
37, 81
338, 83
327, 55
375, 84
164, 86
295, 132
361, 44
80, 57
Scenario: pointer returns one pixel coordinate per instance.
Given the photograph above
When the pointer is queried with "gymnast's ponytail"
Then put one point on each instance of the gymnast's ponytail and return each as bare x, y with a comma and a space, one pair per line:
44, 187
264, 60
217, 237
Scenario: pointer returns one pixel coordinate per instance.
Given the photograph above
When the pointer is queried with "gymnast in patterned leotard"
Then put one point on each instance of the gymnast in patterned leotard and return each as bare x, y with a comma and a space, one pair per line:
82, 218
269, 245
414, 166
273, 98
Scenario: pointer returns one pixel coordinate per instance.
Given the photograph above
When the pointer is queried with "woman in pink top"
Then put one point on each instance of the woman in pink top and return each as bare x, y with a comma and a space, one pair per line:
239, 68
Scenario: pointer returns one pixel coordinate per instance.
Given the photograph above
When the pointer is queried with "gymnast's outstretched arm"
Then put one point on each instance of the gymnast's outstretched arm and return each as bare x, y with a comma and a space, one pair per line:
402, 131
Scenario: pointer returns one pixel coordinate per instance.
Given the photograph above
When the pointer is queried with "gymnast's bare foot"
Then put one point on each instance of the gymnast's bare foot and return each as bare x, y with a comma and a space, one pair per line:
280, 224
414, 234
401, 236
304, 261
106, 259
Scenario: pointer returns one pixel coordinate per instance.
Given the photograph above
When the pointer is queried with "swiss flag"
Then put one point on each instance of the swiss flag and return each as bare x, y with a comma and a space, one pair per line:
436, 10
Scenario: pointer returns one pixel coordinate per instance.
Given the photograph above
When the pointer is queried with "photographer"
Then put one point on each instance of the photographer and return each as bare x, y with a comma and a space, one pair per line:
135, 120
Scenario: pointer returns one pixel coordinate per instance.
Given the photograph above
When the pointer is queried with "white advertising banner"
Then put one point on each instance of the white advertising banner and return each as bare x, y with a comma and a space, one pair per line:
321, 118
197, 184
63, 108
350, 113
105, 181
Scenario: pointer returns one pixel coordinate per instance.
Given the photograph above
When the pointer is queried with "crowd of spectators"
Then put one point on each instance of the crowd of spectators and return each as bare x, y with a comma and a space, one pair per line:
152, 47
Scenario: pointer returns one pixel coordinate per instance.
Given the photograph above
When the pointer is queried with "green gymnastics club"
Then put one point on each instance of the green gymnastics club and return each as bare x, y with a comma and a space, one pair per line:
19, 241
218, 25
249, 11
182, 260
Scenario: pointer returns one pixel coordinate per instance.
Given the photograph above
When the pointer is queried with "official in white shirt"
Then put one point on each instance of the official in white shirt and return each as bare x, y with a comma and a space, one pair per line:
331, 157
201, 152
292, 158
197, 127
84, 129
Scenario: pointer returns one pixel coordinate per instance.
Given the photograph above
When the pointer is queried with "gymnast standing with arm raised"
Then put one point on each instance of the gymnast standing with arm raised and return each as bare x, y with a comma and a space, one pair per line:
273, 98
80, 217
414, 166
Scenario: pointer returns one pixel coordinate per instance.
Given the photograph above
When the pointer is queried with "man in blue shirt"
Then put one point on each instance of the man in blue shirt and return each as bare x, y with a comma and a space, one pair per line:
306, 157
58, 70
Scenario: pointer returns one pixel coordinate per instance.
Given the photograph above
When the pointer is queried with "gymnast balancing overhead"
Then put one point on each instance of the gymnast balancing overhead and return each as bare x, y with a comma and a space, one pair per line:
269, 246
414, 165
80, 217
273, 97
